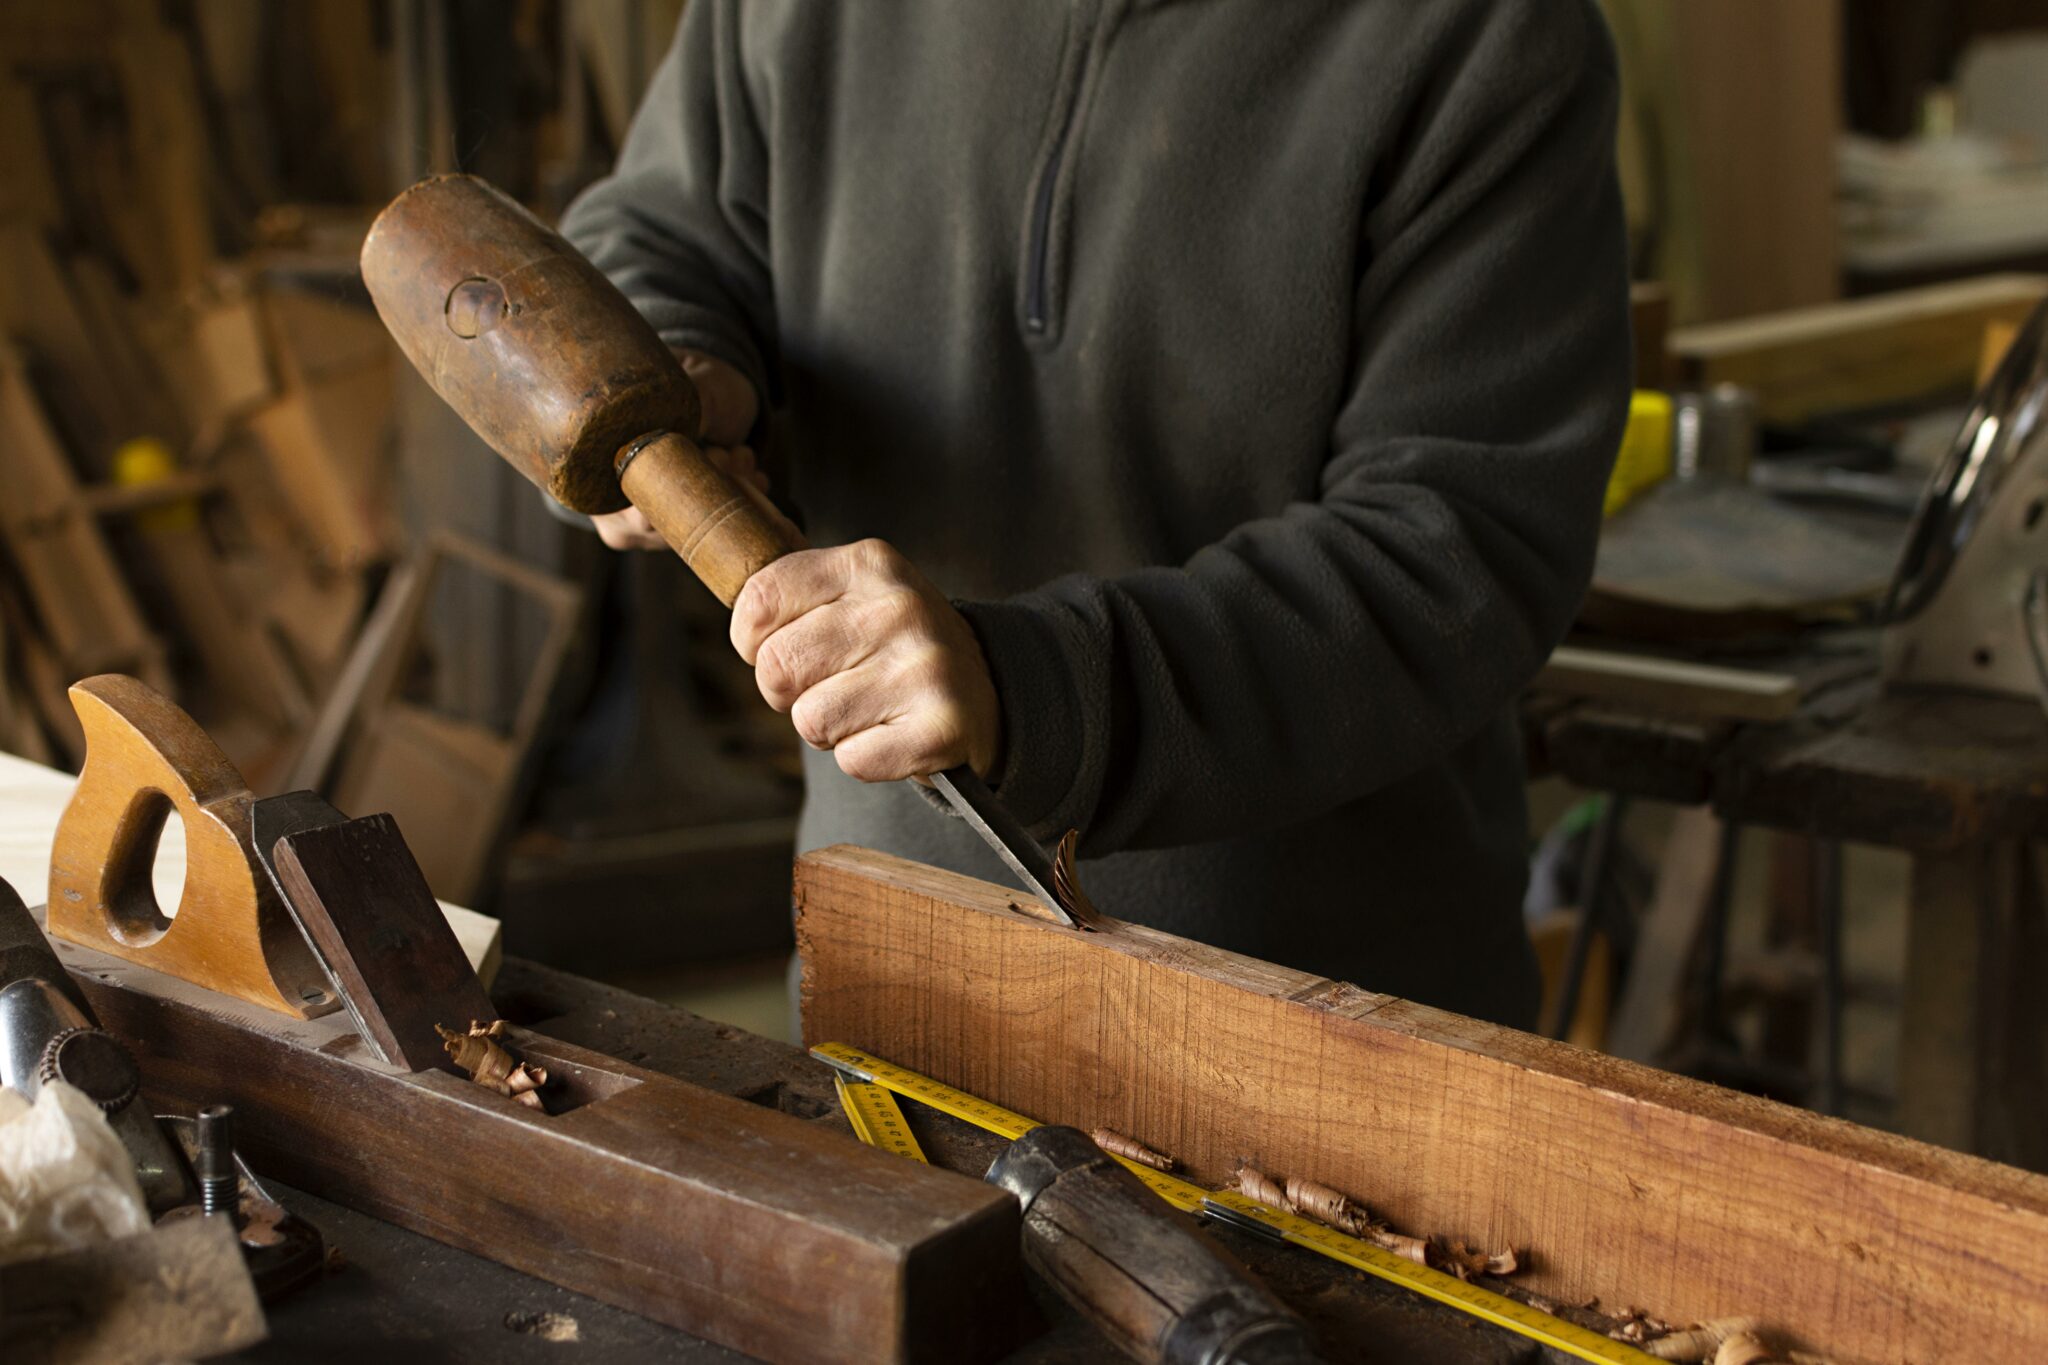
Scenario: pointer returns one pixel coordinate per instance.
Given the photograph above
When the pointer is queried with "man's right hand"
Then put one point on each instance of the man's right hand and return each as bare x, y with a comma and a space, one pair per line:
729, 407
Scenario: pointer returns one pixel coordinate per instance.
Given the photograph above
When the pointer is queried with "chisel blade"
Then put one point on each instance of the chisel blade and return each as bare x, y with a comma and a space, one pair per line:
991, 819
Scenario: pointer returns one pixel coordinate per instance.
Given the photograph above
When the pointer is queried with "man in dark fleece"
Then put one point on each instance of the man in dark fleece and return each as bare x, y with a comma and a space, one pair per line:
1241, 378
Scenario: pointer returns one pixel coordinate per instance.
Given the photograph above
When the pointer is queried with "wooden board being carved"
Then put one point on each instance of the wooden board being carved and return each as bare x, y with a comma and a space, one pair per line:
736, 1222
1623, 1182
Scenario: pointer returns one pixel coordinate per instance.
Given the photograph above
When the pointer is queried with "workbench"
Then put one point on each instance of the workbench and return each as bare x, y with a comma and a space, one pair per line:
1956, 781
397, 1297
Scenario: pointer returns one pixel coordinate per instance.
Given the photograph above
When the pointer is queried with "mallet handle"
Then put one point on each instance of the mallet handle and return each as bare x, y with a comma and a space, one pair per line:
723, 530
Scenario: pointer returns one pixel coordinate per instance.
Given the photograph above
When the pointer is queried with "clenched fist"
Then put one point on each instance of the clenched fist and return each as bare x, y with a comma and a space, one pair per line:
870, 662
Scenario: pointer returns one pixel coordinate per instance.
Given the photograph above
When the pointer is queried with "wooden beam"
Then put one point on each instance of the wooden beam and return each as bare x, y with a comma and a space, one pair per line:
1683, 686
1631, 1184
1907, 346
1757, 100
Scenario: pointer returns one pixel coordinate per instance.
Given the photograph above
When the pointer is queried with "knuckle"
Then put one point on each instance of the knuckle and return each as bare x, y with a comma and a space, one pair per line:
878, 557
756, 608
772, 670
818, 716
811, 726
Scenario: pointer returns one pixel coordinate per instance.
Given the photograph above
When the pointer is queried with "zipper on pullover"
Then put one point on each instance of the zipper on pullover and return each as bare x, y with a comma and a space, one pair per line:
1085, 38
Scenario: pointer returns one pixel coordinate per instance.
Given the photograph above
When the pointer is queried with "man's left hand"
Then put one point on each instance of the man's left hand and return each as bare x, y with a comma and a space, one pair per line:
870, 662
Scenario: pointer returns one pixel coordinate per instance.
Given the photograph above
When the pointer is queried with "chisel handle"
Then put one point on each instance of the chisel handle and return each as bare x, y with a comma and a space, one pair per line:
1162, 1290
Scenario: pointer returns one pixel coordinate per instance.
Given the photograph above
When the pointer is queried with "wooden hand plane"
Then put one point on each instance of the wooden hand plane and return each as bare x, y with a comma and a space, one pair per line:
738, 1223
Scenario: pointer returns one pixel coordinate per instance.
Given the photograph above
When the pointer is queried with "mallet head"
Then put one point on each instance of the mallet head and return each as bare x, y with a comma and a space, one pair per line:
539, 353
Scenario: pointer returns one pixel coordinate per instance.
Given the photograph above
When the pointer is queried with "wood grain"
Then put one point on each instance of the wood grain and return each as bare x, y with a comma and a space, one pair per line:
365, 904
1637, 1186
144, 759
1905, 346
67, 570
736, 1222
32, 801
1665, 684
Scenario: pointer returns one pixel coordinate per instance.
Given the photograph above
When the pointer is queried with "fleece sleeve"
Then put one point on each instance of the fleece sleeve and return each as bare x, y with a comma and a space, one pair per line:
1311, 657
681, 224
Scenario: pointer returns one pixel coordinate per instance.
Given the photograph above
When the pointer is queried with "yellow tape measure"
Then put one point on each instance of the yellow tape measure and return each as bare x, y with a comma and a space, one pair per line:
861, 1071
875, 1117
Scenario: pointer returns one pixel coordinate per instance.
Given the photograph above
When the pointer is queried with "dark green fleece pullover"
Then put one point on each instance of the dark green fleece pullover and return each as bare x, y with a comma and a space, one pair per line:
1248, 370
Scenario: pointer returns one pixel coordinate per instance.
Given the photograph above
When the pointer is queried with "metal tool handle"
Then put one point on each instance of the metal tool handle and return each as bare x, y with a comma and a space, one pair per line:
47, 1030
1165, 1292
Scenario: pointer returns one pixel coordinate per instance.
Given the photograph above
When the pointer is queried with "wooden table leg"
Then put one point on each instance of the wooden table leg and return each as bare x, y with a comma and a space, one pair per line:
1973, 1054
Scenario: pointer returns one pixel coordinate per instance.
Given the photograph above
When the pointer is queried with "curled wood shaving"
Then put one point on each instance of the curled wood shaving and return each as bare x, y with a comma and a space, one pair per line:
491, 1065
1333, 1208
1131, 1149
1701, 1341
1744, 1348
1637, 1326
1256, 1184
1326, 1205
1066, 883
1469, 1260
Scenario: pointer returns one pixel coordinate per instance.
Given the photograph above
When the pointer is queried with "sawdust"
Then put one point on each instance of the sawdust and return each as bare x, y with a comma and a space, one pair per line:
556, 1327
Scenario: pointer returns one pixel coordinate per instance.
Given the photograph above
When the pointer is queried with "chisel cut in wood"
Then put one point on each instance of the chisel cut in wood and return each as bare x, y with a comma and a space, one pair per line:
547, 361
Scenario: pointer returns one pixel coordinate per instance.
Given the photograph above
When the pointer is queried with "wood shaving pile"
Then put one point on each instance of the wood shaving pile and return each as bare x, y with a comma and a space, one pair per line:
1335, 1209
491, 1065
1116, 1144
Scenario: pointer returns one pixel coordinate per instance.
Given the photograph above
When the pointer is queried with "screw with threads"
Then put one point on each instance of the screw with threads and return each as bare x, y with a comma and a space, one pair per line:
219, 1184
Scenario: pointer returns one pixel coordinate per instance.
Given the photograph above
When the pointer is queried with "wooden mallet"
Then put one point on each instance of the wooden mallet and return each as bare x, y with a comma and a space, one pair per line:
546, 360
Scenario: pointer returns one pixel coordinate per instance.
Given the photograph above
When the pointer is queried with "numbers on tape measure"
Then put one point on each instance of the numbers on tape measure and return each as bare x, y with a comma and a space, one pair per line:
923, 1089
859, 1071
876, 1117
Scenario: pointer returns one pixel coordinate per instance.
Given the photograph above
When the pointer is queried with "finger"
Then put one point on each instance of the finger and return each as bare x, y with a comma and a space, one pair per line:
841, 706
727, 403
908, 746
821, 644
785, 590
618, 532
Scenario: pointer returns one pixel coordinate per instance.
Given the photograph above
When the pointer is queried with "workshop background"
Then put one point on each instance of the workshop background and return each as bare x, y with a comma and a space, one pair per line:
216, 475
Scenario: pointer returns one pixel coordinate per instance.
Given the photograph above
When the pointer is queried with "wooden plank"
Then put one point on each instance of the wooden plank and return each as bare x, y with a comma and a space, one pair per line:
72, 580
1630, 1184
1971, 1068
1893, 348
327, 446
1758, 102
734, 1221
1653, 1003
1669, 685
450, 780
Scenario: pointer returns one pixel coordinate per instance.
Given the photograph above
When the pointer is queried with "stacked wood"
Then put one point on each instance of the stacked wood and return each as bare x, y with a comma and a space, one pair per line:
197, 404
215, 470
